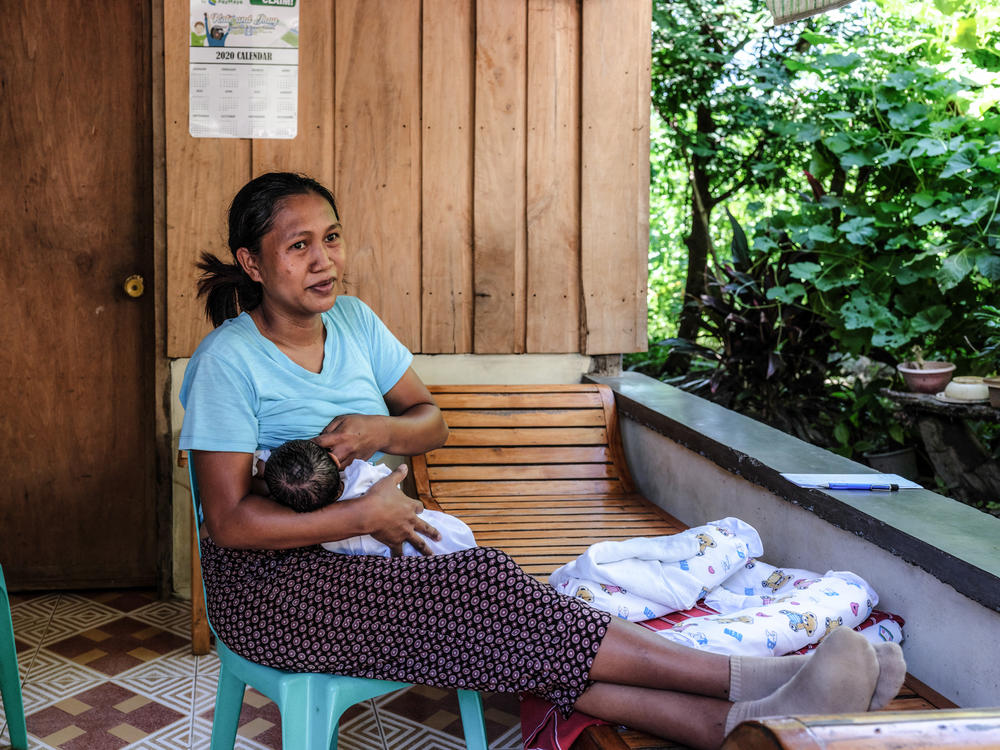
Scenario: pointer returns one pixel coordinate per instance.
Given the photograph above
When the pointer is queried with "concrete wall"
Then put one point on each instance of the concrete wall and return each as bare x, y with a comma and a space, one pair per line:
951, 641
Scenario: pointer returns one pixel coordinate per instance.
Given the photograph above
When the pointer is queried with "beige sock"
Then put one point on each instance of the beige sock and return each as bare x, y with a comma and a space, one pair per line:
891, 673
839, 677
753, 677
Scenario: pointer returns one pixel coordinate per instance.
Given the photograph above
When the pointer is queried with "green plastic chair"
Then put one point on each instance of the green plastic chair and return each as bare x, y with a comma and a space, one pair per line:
10, 681
310, 704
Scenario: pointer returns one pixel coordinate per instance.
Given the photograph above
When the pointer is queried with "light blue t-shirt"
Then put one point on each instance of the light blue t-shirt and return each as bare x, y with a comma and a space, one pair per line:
241, 393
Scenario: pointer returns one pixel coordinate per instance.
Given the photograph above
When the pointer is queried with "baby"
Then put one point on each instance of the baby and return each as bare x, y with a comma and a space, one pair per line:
304, 477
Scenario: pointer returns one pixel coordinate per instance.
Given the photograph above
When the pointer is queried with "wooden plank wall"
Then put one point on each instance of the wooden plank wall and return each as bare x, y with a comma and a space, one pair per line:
490, 159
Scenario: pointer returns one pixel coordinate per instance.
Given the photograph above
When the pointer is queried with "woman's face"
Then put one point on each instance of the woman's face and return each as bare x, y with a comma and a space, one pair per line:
301, 259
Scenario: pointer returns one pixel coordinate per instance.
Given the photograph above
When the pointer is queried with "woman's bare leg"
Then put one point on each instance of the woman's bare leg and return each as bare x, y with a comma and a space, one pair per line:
692, 720
632, 655
651, 685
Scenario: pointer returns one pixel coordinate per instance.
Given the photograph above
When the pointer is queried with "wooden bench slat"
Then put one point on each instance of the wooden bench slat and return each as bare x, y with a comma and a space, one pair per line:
554, 487
585, 515
523, 436
583, 535
556, 400
486, 390
524, 510
521, 472
526, 418
503, 455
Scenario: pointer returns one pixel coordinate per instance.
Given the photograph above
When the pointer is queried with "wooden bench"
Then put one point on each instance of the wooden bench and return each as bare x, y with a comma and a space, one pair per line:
540, 472
537, 471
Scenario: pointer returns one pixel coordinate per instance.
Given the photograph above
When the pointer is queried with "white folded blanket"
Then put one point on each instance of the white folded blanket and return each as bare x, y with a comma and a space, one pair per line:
647, 577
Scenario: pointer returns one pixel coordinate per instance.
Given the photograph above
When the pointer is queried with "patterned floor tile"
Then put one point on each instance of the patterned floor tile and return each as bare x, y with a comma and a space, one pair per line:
107, 716
173, 615
123, 601
74, 614
52, 678
399, 731
118, 645
201, 736
115, 670
168, 680
438, 709
31, 617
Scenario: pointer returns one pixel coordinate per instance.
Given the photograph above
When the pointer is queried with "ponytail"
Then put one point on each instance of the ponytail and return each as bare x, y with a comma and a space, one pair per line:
227, 289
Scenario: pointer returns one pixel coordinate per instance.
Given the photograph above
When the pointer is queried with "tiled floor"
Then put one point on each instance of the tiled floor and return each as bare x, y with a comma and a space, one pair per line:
110, 670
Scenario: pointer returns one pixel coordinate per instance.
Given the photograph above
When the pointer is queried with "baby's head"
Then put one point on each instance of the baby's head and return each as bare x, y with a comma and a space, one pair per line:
303, 476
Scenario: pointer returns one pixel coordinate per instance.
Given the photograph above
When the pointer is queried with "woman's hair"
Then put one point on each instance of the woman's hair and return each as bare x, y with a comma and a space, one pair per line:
302, 476
226, 287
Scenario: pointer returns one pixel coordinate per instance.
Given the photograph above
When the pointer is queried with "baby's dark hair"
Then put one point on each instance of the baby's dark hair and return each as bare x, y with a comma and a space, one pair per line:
303, 476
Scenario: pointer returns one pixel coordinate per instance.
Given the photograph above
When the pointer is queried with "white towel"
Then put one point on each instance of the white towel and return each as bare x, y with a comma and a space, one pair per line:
647, 577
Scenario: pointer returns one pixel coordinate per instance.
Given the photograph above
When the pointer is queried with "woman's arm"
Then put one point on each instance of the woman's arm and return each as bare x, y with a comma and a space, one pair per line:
236, 517
415, 425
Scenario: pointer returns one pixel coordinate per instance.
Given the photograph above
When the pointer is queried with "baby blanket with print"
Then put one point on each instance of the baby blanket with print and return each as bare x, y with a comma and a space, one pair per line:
769, 611
647, 577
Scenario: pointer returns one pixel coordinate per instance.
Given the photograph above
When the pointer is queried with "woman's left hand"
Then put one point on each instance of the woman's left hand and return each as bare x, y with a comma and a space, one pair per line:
352, 436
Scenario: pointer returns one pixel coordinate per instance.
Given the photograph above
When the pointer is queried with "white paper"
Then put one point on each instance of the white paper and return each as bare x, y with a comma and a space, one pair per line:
818, 480
244, 69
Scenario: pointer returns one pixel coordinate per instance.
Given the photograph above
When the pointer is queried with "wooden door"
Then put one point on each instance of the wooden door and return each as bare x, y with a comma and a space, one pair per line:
77, 498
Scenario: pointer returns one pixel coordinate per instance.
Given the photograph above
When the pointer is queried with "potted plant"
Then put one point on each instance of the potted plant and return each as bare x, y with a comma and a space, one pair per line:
923, 376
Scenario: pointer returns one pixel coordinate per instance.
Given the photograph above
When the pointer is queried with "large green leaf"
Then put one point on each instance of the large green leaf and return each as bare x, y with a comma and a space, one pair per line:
961, 161
930, 319
953, 269
858, 230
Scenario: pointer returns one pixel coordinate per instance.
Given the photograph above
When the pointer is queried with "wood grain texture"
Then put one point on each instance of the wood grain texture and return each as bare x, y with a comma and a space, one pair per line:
377, 161
499, 184
203, 175
311, 150
525, 418
448, 87
77, 502
498, 455
614, 202
553, 177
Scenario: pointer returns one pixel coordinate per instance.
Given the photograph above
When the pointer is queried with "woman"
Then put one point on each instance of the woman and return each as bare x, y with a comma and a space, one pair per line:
291, 358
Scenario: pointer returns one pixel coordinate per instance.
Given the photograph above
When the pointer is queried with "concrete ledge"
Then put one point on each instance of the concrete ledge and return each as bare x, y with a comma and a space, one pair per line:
932, 560
957, 544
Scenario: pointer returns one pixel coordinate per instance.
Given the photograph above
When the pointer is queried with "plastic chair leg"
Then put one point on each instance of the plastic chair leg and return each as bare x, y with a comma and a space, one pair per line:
470, 706
307, 716
10, 680
228, 703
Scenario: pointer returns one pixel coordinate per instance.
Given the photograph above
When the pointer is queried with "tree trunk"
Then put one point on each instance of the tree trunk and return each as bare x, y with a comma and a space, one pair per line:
699, 244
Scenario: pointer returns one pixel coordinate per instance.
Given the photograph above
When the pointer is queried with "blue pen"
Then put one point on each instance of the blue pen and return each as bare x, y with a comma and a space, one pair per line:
856, 486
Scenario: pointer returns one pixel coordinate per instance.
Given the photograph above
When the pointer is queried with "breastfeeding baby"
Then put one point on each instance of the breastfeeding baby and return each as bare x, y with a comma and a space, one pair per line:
304, 477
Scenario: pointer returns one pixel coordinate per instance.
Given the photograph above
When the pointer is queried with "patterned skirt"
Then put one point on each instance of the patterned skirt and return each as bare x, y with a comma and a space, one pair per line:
470, 619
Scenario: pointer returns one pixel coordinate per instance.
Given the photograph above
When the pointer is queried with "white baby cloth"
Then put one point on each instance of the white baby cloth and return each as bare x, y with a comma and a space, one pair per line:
647, 577
778, 610
361, 475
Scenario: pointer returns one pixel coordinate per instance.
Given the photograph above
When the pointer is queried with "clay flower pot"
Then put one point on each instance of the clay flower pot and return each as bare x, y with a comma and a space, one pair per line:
931, 378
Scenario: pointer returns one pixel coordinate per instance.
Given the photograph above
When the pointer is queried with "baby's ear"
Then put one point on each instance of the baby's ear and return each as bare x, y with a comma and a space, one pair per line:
341, 468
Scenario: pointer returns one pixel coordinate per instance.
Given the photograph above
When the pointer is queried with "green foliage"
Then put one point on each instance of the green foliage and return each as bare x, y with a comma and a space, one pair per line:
905, 184
767, 358
863, 149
